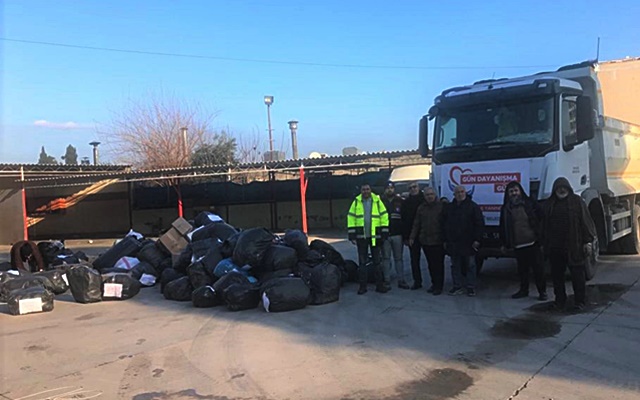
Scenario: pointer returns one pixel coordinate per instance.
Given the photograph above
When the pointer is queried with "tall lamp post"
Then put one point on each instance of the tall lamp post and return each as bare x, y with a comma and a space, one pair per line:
268, 100
293, 126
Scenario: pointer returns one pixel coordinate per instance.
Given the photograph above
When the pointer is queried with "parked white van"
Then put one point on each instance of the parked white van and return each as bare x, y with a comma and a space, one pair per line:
401, 177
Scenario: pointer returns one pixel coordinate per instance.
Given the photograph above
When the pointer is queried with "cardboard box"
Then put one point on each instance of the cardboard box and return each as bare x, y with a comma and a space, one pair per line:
182, 226
174, 239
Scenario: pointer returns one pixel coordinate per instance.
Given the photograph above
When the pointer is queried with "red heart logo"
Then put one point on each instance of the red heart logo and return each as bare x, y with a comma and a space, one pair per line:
455, 174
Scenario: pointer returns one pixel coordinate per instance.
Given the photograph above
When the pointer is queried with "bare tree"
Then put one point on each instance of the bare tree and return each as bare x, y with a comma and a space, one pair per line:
146, 132
249, 147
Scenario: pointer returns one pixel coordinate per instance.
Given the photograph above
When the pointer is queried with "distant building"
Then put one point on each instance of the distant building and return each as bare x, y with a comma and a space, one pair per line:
351, 151
273, 156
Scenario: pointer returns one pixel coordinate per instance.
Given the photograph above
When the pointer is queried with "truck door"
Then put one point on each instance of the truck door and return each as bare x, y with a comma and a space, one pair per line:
573, 159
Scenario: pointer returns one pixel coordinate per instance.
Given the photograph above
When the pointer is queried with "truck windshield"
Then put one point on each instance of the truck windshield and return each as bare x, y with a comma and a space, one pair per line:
525, 123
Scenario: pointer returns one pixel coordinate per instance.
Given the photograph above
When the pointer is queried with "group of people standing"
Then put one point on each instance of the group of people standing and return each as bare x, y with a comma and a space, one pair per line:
561, 231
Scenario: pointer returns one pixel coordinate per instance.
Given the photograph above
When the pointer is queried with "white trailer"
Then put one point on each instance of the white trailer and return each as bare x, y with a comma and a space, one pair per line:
580, 122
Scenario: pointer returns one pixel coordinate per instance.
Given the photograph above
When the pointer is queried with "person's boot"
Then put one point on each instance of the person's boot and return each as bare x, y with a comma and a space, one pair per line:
403, 285
362, 289
520, 294
381, 288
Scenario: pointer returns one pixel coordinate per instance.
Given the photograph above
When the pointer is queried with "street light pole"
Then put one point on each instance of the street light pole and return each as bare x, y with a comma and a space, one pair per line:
293, 126
268, 100
183, 130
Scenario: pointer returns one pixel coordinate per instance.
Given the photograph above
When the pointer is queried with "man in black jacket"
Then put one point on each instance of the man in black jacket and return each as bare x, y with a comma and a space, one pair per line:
409, 211
567, 232
463, 226
520, 231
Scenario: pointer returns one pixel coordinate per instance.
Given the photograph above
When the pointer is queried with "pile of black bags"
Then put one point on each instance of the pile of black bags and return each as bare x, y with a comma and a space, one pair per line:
220, 266
223, 266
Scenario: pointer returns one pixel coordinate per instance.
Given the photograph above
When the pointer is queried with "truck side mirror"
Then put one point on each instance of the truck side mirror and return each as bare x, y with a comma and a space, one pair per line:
423, 136
585, 123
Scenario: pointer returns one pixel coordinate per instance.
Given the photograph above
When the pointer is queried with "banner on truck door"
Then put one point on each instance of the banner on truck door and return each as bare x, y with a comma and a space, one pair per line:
485, 182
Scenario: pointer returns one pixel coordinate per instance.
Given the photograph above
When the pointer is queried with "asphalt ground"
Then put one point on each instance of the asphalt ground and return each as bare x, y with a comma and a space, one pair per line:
394, 346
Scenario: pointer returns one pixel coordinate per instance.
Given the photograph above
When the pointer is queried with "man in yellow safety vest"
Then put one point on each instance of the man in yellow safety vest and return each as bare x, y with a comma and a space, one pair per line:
368, 227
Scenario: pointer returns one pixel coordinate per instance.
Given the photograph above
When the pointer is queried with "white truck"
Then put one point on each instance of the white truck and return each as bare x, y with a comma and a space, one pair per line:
580, 122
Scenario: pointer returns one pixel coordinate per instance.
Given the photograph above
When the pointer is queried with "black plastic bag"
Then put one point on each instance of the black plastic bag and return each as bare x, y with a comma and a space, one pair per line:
205, 297
222, 230
143, 267
58, 283
252, 246
23, 282
181, 262
119, 287
325, 284
265, 276
297, 239
313, 258
352, 270
169, 275
211, 260
85, 284
279, 258
81, 255
242, 296
49, 250
116, 271
5, 277
166, 263
200, 248
216, 230
30, 300
178, 290
151, 254
229, 245
227, 280
285, 294
205, 218
198, 275
62, 259
127, 247
329, 252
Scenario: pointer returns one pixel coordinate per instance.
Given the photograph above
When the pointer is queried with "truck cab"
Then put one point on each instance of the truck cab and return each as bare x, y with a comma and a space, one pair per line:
532, 130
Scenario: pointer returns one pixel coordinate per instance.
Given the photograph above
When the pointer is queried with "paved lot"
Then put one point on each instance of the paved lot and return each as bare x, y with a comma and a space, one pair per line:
401, 345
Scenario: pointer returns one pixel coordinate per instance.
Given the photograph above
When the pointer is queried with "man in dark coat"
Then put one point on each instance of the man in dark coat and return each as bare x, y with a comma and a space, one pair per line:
567, 231
463, 226
427, 227
409, 211
520, 231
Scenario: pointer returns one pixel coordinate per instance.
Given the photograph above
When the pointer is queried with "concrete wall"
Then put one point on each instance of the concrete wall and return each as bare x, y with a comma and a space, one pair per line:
104, 214
250, 215
87, 219
11, 223
108, 214
320, 215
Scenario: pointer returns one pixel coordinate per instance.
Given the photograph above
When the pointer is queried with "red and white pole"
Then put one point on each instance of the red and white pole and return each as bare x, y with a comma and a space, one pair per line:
25, 221
303, 198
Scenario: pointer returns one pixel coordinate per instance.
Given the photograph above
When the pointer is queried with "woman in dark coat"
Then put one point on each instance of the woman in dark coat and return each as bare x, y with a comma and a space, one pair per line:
520, 231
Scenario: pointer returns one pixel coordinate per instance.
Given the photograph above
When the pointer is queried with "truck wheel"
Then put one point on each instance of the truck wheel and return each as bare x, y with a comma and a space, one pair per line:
630, 244
591, 265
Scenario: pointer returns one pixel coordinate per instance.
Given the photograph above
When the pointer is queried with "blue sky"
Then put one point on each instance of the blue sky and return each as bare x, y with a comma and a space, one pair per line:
374, 109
